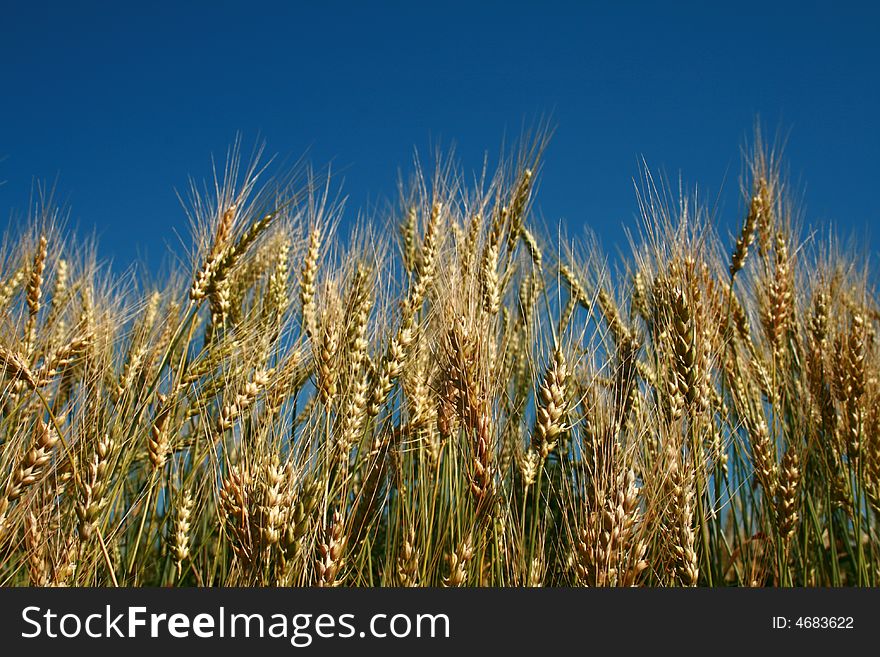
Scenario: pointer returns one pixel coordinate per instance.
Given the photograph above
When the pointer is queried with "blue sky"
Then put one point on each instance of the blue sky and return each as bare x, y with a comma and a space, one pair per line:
120, 102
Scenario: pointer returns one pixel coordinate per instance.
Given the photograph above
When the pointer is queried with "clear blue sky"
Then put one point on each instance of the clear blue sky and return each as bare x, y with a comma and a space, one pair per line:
120, 102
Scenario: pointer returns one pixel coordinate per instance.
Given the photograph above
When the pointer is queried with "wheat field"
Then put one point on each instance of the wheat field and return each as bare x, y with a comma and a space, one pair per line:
451, 395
